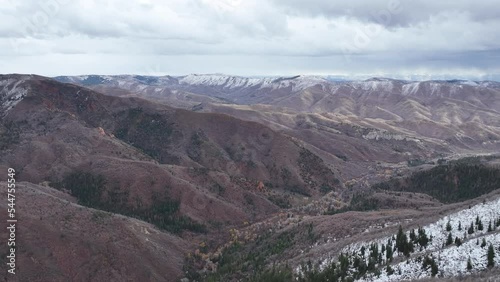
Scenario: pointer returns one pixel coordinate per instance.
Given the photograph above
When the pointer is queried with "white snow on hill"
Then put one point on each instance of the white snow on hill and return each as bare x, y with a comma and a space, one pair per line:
231, 82
452, 259
293, 84
220, 80
11, 93
375, 84
301, 82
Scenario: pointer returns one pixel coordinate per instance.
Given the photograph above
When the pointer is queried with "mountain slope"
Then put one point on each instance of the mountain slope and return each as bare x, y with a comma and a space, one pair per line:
441, 116
450, 257
195, 175
59, 240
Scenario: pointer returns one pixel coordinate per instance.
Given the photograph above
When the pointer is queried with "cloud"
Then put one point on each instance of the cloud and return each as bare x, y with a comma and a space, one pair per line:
402, 13
249, 37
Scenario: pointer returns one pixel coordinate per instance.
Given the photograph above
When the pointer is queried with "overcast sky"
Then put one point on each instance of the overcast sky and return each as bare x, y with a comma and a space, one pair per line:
421, 39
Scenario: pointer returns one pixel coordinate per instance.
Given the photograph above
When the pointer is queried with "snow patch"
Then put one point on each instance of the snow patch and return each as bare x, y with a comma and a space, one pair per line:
452, 259
11, 93
384, 135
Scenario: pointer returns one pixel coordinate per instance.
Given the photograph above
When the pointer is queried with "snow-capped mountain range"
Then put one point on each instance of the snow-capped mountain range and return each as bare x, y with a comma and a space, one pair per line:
297, 83
227, 82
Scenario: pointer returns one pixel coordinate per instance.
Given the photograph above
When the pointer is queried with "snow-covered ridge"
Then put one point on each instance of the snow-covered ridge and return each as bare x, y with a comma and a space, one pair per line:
382, 84
451, 259
228, 82
293, 83
11, 93
231, 82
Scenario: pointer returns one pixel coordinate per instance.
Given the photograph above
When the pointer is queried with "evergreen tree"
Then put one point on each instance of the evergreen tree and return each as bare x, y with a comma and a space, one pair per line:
458, 242
491, 256
422, 237
388, 254
480, 226
410, 248
401, 240
86, 187
448, 226
402, 244
389, 270
428, 261
483, 244
360, 265
356, 261
413, 237
434, 269
471, 228
449, 240
498, 222
460, 226
344, 265
490, 228
371, 264
374, 251
469, 264
477, 220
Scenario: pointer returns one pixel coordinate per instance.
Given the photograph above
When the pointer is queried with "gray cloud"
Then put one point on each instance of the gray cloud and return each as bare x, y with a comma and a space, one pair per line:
402, 13
250, 37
